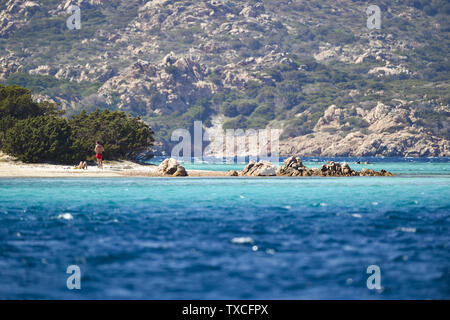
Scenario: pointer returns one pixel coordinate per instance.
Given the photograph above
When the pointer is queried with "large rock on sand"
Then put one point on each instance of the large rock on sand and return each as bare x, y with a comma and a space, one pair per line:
261, 168
181, 172
171, 167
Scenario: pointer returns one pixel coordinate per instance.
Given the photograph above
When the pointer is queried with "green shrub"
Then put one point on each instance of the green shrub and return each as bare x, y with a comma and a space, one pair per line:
229, 110
246, 107
17, 102
6, 123
254, 44
252, 88
173, 70
38, 139
52, 86
263, 111
122, 136
257, 122
355, 122
239, 122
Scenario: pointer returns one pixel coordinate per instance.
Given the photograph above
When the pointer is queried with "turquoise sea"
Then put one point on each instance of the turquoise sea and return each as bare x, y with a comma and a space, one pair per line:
230, 238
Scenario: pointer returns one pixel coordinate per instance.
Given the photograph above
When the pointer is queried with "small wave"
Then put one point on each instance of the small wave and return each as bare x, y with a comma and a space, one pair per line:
356, 215
242, 240
65, 216
408, 229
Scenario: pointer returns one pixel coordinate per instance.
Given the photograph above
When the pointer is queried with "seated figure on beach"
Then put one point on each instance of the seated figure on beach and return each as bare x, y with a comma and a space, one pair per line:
82, 165
99, 154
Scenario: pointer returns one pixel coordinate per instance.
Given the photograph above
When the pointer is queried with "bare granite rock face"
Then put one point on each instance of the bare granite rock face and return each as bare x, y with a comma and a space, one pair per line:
161, 88
171, 167
388, 131
15, 15
380, 48
10, 64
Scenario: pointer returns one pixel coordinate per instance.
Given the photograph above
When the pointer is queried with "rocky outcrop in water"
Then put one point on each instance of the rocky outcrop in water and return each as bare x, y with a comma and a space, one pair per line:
260, 168
372, 173
335, 169
171, 167
293, 167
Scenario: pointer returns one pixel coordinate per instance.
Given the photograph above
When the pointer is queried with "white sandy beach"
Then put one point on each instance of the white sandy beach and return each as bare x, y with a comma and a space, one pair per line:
9, 168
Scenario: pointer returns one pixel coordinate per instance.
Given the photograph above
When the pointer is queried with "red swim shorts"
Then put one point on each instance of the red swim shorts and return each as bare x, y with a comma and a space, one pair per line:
99, 156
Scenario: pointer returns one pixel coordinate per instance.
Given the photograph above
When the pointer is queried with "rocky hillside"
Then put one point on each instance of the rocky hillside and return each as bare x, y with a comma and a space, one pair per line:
310, 68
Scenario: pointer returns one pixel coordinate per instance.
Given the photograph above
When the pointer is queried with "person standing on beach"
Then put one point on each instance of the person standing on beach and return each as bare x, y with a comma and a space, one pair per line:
99, 154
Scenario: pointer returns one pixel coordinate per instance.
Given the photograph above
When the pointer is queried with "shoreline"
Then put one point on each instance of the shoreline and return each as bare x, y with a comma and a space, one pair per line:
114, 169
11, 168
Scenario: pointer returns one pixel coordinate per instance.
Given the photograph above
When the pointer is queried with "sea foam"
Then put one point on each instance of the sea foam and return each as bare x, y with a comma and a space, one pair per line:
242, 240
65, 216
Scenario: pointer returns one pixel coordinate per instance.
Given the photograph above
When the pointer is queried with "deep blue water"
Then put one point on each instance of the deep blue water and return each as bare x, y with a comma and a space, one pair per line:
229, 238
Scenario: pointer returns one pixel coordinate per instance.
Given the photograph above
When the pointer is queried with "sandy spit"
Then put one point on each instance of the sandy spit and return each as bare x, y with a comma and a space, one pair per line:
15, 169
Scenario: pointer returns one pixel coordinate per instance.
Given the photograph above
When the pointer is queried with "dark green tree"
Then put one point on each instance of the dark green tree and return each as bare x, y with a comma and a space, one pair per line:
122, 136
39, 139
18, 103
